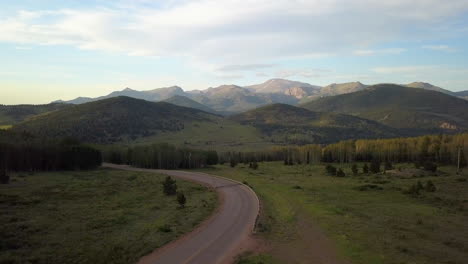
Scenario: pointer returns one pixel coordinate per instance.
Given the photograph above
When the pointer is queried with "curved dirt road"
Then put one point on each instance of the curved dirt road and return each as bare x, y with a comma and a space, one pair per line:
222, 236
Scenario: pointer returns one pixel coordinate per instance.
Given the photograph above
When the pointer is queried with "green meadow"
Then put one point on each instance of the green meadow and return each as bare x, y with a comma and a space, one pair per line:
369, 219
100, 216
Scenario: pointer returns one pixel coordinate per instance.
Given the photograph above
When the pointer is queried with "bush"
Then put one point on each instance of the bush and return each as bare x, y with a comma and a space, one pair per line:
181, 199
365, 169
430, 166
165, 228
169, 186
354, 169
330, 170
253, 165
388, 165
430, 187
233, 163
340, 173
375, 166
4, 177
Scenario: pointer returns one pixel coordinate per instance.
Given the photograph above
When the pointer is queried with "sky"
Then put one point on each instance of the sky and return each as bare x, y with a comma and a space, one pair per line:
62, 49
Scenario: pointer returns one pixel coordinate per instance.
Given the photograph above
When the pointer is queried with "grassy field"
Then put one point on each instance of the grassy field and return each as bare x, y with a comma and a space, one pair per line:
102, 216
224, 135
369, 219
4, 127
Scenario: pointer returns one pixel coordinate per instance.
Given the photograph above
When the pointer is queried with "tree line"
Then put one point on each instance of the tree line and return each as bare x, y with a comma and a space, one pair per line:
443, 149
26, 152
160, 156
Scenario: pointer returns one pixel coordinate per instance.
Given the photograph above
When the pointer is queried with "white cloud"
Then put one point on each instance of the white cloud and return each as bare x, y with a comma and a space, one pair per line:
233, 31
444, 48
304, 73
377, 52
245, 67
403, 69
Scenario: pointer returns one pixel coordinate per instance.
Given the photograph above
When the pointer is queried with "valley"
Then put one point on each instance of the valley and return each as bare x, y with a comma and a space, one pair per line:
309, 153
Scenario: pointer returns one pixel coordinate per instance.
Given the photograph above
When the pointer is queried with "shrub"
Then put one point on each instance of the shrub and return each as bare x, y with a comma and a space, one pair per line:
430, 166
354, 169
169, 186
430, 187
330, 170
375, 166
165, 228
181, 199
365, 169
4, 177
388, 165
253, 165
233, 163
340, 173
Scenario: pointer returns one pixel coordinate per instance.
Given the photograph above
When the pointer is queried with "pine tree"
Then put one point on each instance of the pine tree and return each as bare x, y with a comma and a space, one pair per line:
430, 187
365, 169
463, 162
354, 169
181, 199
4, 177
340, 173
375, 166
169, 186
388, 165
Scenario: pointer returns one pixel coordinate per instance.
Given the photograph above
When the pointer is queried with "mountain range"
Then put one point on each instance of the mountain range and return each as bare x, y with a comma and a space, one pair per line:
231, 99
415, 111
198, 118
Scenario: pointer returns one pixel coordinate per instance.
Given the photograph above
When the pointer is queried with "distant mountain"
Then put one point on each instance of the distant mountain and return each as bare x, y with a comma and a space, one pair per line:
187, 102
235, 99
12, 114
336, 89
229, 99
462, 94
293, 125
414, 111
281, 86
114, 119
342, 88
428, 86
155, 95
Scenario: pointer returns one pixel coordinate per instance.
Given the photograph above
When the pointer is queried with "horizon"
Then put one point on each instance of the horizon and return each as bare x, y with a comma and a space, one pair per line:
55, 50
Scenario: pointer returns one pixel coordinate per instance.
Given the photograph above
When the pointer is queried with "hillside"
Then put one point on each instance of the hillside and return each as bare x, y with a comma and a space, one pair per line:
290, 124
114, 119
187, 102
12, 114
414, 111
430, 87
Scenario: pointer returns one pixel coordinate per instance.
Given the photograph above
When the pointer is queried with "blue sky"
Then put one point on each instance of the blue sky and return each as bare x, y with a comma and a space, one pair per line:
61, 49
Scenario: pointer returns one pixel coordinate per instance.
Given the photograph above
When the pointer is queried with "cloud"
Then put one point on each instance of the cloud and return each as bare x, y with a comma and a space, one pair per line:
444, 48
230, 76
403, 69
245, 67
305, 73
235, 31
377, 52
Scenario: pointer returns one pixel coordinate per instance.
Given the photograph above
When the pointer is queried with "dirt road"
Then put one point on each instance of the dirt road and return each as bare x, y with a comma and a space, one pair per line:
222, 236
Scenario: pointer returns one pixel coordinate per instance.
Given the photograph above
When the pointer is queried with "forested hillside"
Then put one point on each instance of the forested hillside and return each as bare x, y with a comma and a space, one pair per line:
413, 111
12, 114
114, 119
294, 125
